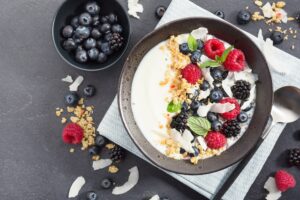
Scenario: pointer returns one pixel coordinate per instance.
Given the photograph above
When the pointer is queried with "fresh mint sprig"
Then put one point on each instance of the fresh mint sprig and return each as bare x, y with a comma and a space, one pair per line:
199, 125
218, 60
173, 107
192, 43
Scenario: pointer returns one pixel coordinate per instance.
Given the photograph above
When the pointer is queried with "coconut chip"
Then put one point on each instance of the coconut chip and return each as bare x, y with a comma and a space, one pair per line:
202, 142
67, 79
187, 135
200, 33
204, 94
183, 142
203, 110
134, 7
267, 10
155, 197
76, 186
74, 86
271, 187
222, 108
132, 181
101, 164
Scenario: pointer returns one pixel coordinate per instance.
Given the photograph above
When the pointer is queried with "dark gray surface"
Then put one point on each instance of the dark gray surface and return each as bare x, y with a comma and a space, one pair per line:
35, 164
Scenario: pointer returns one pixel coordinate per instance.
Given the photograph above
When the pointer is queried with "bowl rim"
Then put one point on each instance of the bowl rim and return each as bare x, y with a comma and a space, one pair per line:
85, 69
122, 112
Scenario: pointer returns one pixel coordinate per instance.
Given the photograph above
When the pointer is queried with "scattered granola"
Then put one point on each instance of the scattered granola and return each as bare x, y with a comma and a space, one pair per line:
113, 169
110, 146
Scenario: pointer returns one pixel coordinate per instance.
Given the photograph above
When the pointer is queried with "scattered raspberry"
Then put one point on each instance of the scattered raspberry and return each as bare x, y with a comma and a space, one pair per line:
284, 180
235, 61
191, 73
213, 48
215, 140
233, 113
72, 134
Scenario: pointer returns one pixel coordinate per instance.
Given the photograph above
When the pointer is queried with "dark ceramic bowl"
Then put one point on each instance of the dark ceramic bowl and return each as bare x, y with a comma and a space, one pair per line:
71, 8
264, 99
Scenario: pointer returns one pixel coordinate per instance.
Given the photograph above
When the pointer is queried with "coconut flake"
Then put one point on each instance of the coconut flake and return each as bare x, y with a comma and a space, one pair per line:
74, 86
204, 94
183, 142
187, 135
200, 33
283, 14
207, 76
67, 79
101, 164
203, 110
222, 108
132, 181
135, 7
267, 10
155, 197
271, 187
76, 186
202, 142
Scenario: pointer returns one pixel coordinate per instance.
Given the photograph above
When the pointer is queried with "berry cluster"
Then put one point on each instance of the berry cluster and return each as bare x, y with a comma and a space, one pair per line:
92, 37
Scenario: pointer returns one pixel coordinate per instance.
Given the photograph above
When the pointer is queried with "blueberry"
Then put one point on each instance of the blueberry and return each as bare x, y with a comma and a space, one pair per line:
105, 48
67, 31
104, 19
85, 19
195, 105
196, 151
89, 43
72, 99
106, 183
77, 40
184, 48
200, 44
242, 117
79, 48
92, 8
112, 18
107, 36
69, 44
277, 37
196, 56
216, 125
160, 11
212, 116
216, 95
96, 20
89, 91
95, 33
204, 85
117, 28
181, 150
100, 141
101, 57
81, 56
243, 17
94, 150
220, 14
93, 53
82, 32
184, 106
75, 22
216, 73
105, 27
91, 196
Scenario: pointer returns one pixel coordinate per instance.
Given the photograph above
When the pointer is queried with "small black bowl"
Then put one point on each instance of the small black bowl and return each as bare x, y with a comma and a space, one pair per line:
72, 8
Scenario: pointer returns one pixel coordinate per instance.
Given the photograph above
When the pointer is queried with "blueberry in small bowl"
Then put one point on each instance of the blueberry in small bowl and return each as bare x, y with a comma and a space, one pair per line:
91, 35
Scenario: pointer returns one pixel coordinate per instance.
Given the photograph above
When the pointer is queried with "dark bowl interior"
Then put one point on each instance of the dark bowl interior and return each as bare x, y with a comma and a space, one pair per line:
264, 100
71, 8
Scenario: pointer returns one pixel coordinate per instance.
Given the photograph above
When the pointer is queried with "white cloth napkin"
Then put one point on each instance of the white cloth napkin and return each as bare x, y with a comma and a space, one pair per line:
112, 127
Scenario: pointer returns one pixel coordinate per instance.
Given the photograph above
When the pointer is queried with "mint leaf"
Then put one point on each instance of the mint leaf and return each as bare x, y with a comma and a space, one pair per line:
218, 59
172, 107
210, 63
192, 43
225, 53
199, 125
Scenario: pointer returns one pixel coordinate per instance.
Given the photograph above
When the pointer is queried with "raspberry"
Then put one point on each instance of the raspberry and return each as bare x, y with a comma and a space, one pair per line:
191, 73
213, 48
284, 180
215, 140
235, 61
72, 134
233, 113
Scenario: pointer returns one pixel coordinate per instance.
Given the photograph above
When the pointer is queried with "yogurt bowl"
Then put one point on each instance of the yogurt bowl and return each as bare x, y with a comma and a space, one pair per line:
157, 93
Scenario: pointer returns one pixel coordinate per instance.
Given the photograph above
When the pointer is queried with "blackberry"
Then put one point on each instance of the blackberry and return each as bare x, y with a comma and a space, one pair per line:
115, 40
241, 90
294, 157
231, 128
117, 153
179, 121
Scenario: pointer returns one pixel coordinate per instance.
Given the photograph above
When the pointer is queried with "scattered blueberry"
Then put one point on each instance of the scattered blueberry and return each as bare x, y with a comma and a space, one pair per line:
117, 28
196, 56
212, 116
101, 57
75, 22
82, 32
220, 14
105, 27
89, 43
89, 91
216, 125
160, 11
105, 48
217, 74
184, 48
195, 105
200, 44
91, 196
94, 150
69, 44
277, 37
72, 99
243, 17
242, 117
204, 85
93, 53
67, 31
106, 183
81, 56
100, 141
216, 95
112, 18
96, 20
85, 19
95, 33
92, 8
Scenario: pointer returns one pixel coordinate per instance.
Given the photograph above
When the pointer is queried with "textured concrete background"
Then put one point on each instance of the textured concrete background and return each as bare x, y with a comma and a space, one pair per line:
34, 163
